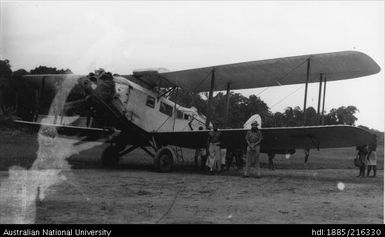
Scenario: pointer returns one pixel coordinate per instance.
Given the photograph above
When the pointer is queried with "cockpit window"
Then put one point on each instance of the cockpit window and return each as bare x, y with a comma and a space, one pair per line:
165, 108
179, 114
150, 102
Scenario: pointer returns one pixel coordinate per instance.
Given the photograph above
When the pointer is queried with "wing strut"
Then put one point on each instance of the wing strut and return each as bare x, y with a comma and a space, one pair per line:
209, 115
306, 85
319, 98
227, 105
323, 102
166, 92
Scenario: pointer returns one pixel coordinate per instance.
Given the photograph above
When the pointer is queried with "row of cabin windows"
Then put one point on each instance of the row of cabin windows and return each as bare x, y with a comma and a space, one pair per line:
166, 109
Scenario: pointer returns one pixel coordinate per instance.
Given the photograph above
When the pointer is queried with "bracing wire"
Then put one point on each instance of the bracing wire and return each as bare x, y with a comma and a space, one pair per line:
286, 96
284, 76
204, 79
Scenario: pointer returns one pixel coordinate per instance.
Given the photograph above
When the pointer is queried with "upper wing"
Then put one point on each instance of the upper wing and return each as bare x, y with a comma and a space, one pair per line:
274, 72
279, 140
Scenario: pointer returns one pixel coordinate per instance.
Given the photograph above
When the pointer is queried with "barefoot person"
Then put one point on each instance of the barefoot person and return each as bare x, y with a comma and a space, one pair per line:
253, 140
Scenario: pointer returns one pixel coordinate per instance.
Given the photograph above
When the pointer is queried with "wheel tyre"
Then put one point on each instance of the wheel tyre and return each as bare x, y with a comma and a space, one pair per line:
110, 157
164, 162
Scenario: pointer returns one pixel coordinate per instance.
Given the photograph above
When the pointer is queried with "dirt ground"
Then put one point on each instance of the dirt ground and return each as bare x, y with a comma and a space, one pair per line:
281, 196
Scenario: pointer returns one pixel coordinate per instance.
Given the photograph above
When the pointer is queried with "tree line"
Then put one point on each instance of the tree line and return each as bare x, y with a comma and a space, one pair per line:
18, 98
241, 108
16, 95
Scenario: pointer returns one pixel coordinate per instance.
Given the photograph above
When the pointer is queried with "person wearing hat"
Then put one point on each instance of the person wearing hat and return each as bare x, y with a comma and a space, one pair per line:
214, 145
253, 140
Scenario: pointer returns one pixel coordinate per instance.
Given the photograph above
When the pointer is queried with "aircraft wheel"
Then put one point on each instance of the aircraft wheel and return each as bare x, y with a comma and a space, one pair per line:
164, 162
110, 157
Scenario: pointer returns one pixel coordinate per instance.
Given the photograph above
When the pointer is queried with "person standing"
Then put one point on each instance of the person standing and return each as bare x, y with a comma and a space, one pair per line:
307, 153
203, 152
223, 158
253, 140
271, 156
214, 159
199, 152
361, 155
230, 154
372, 159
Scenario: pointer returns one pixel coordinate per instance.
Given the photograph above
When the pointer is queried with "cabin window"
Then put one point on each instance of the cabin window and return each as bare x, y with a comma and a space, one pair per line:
150, 102
165, 108
186, 117
179, 114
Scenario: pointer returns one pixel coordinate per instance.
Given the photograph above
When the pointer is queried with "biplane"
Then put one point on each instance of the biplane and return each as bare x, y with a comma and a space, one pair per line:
150, 121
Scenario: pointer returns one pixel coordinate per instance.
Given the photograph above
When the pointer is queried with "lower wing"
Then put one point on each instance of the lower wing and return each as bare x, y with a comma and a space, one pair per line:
278, 140
87, 134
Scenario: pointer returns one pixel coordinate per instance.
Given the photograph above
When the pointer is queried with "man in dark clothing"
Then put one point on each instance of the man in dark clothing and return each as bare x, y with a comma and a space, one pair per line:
362, 153
232, 153
271, 156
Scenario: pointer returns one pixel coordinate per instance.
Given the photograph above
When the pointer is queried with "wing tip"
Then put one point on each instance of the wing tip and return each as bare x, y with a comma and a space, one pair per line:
371, 64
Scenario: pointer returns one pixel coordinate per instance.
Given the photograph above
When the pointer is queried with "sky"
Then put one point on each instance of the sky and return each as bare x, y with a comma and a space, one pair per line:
123, 36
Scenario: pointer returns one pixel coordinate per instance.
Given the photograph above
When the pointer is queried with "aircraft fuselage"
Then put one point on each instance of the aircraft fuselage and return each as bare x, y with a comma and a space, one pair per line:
152, 113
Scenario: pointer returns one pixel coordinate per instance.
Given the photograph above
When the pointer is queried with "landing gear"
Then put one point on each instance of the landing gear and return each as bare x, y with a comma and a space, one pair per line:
110, 156
164, 161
